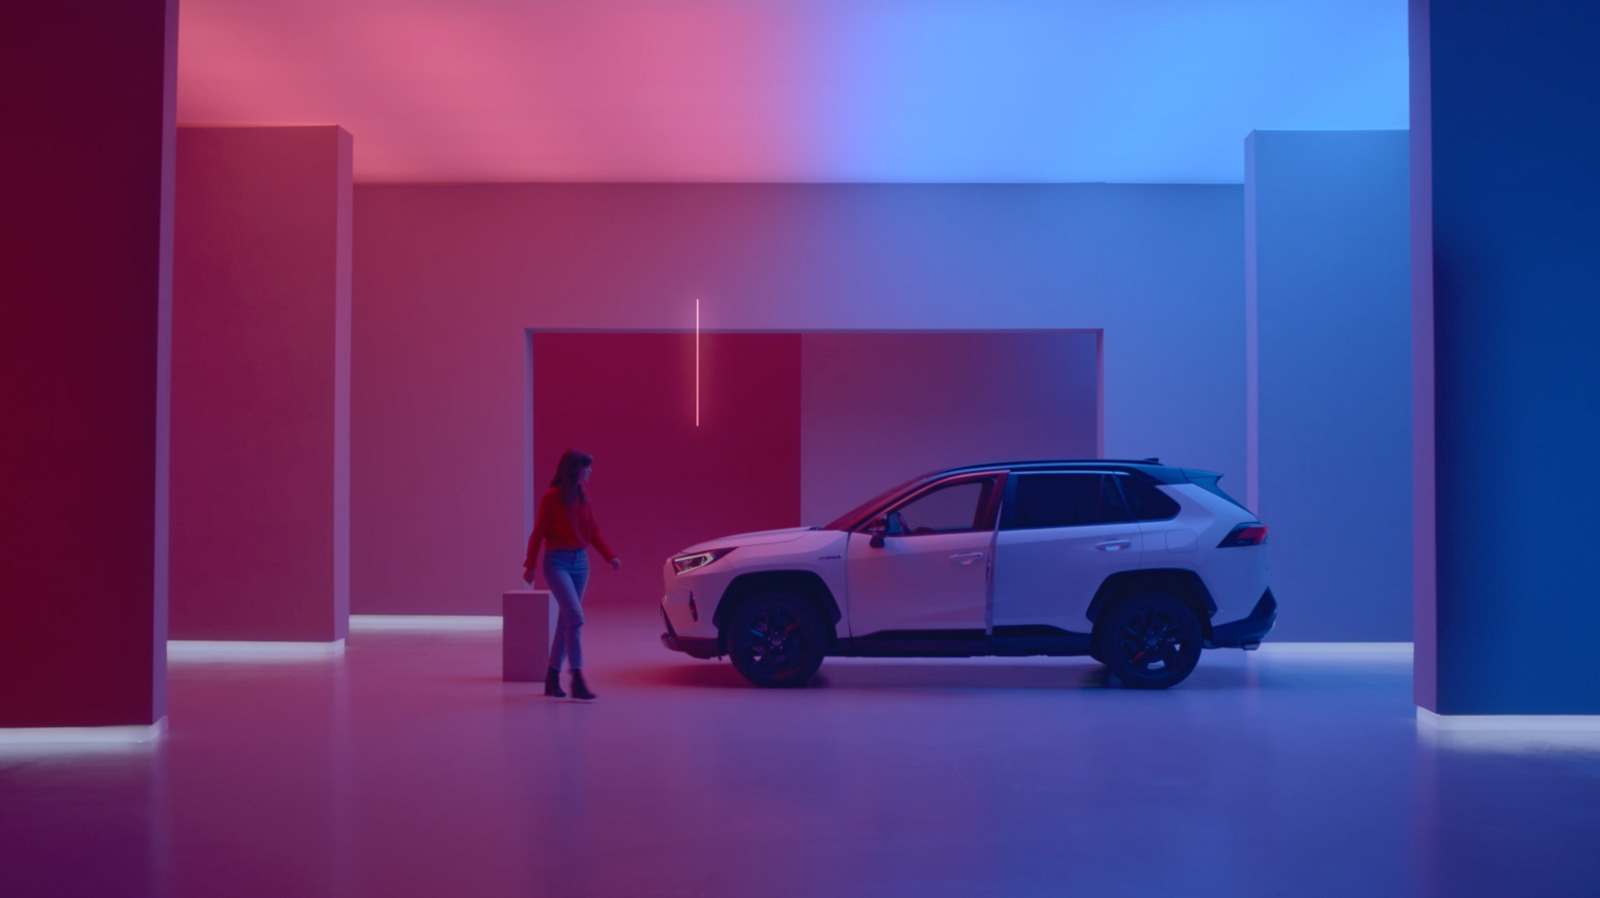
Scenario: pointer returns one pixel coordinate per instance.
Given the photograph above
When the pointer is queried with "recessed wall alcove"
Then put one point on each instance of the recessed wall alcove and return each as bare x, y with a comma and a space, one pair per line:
739, 431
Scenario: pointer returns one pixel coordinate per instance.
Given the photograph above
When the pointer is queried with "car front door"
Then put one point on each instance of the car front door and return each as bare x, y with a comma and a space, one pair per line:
1061, 535
933, 576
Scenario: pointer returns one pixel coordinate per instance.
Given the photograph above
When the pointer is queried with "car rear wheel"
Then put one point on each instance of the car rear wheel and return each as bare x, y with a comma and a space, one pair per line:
1150, 641
776, 640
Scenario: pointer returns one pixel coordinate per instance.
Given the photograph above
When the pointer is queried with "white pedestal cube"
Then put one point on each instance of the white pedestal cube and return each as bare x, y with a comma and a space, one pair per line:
529, 617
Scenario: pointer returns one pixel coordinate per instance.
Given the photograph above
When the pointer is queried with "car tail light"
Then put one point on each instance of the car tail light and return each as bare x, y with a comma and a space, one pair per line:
1251, 534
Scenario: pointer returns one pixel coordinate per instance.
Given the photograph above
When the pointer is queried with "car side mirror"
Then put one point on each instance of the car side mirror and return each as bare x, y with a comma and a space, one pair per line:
877, 528
892, 524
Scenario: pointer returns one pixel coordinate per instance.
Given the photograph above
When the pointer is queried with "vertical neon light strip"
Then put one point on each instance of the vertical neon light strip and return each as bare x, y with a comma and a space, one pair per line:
697, 363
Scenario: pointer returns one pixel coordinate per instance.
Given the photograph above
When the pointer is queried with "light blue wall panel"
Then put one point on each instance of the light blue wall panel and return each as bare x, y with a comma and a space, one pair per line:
1329, 289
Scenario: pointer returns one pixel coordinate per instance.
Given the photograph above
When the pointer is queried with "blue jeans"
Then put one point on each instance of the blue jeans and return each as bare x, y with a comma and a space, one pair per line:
567, 570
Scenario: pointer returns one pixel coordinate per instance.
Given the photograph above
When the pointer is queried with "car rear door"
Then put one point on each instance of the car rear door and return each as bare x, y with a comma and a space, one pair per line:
1062, 533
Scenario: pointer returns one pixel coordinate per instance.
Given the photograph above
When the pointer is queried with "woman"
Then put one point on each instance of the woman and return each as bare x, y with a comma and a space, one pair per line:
565, 525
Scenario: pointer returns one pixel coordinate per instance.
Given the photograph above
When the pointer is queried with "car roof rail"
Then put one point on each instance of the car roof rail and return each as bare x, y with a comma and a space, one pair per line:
1143, 466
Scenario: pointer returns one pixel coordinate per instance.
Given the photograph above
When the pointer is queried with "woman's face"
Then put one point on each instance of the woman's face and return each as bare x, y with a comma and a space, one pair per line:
584, 473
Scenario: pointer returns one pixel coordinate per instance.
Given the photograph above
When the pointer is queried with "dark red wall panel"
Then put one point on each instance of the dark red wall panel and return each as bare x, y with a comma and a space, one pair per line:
85, 249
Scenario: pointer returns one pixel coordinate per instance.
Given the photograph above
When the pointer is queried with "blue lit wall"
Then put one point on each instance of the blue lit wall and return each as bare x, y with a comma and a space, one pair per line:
1511, 201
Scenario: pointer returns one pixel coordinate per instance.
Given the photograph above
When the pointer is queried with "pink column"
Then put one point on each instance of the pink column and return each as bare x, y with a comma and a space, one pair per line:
261, 384
85, 252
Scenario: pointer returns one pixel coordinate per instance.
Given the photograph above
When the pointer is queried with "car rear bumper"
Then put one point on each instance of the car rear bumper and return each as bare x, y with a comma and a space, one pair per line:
1248, 632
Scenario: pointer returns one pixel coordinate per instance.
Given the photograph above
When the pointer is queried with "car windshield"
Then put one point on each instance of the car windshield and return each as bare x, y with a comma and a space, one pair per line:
849, 518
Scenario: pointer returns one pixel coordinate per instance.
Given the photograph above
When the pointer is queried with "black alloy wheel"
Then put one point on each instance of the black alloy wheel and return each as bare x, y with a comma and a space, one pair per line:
1151, 641
776, 639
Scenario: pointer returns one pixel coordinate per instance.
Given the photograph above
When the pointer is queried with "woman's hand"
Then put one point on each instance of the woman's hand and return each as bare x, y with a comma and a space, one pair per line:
527, 575
616, 564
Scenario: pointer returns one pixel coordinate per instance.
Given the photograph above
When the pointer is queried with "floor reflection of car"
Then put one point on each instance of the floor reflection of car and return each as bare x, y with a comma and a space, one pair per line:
1136, 563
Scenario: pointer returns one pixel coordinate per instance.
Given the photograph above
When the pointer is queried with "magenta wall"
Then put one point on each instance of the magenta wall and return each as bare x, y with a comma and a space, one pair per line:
449, 278
880, 408
662, 483
85, 245
261, 354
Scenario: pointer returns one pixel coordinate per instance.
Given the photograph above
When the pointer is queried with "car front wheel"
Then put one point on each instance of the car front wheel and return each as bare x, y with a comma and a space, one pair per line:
776, 639
1151, 641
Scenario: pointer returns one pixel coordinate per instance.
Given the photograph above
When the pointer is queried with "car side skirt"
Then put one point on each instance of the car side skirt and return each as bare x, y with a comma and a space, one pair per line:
1005, 641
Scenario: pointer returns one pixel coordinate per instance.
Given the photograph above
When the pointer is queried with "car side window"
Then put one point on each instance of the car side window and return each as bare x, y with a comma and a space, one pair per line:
948, 509
1113, 506
1065, 500
1146, 502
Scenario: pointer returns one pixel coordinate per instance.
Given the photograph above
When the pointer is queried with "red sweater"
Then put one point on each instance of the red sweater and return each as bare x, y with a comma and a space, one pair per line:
562, 526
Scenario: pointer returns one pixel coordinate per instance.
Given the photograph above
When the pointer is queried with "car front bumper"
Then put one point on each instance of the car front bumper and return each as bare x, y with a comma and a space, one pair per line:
693, 646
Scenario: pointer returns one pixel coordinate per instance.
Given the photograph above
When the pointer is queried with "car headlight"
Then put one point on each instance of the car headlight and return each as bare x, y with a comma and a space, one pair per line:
683, 564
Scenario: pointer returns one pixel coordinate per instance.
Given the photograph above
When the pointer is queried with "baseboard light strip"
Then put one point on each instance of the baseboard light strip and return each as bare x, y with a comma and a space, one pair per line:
181, 650
1375, 650
1510, 723
108, 736
423, 623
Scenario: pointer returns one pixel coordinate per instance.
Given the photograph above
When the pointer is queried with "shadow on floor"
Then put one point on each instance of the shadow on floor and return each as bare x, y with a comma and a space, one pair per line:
942, 674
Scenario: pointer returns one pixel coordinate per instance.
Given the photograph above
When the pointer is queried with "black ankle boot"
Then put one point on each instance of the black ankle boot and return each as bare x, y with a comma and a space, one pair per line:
579, 690
552, 683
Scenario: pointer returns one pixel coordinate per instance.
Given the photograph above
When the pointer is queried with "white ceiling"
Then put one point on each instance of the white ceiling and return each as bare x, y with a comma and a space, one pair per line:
796, 90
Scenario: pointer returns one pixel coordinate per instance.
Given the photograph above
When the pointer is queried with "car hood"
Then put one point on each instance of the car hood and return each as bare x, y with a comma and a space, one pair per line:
758, 538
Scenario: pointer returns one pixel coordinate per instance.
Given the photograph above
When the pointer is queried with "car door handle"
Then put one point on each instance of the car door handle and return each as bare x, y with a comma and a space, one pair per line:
1114, 545
966, 557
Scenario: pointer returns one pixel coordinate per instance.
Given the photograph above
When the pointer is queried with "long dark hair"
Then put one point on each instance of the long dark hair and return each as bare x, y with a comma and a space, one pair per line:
566, 479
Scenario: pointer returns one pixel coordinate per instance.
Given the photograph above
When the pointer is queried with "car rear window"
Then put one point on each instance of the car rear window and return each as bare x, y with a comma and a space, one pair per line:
1207, 480
1146, 501
1065, 500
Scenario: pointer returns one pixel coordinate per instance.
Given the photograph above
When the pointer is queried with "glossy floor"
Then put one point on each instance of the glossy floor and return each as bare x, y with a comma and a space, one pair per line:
405, 767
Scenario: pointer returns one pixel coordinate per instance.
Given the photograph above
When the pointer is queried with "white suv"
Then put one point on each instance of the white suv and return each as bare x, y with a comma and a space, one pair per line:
1136, 563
